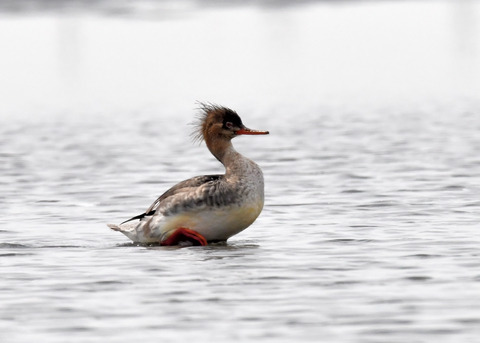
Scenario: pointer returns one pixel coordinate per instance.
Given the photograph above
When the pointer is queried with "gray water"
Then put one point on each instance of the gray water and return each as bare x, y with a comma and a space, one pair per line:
370, 226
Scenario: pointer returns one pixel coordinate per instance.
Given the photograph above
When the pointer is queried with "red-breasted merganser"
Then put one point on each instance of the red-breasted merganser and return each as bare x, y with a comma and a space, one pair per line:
208, 208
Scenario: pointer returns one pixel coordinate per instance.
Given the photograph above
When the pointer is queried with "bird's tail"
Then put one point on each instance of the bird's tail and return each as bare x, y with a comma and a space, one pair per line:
114, 227
127, 230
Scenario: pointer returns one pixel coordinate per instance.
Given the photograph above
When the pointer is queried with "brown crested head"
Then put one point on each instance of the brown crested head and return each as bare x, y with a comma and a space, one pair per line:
218, 122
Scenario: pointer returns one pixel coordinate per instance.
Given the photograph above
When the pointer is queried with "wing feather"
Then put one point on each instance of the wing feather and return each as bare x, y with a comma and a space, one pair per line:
197, 187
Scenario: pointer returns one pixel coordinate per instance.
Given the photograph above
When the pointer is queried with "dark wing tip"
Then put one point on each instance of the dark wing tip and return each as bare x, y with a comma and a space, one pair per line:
140, 216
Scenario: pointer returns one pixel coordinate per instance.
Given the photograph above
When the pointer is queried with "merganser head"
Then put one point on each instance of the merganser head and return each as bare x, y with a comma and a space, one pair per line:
217, 122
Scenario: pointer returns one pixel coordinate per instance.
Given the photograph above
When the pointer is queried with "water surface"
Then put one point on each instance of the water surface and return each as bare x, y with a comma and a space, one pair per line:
370, 226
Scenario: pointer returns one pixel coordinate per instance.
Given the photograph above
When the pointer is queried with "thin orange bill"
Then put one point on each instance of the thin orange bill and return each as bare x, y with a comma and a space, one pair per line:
247, 131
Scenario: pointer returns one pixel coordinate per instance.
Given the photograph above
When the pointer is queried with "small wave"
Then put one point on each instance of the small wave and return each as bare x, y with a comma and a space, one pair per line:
381, 203
418, 278
423, 256
12, 254
13, 246
352, 191
357, 176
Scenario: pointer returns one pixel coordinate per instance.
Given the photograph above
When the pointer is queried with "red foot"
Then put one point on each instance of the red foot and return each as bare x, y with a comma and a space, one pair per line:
182, 235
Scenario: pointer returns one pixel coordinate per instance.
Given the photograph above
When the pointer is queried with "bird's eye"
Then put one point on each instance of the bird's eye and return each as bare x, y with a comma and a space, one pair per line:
229, 125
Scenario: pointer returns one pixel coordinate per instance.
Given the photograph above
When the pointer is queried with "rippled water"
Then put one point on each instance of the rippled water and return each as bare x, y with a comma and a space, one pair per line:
369, 233
370, 226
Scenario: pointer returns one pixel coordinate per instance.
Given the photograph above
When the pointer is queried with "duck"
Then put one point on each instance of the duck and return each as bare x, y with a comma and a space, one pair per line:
208, 208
